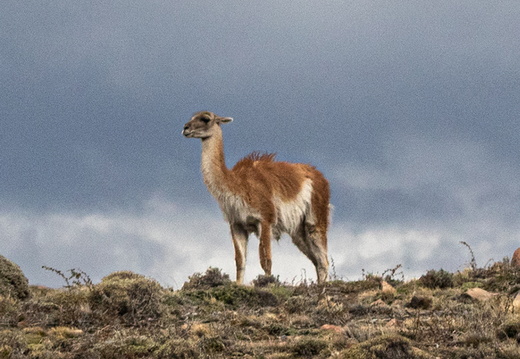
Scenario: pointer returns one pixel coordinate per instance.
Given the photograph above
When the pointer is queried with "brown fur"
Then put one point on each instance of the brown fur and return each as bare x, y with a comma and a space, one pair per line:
266, 197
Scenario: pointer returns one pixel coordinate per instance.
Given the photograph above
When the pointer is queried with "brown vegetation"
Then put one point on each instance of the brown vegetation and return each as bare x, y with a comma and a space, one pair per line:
128, 315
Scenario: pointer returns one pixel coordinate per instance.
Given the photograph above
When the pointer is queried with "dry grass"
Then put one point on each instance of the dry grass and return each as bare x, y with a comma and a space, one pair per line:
131, 316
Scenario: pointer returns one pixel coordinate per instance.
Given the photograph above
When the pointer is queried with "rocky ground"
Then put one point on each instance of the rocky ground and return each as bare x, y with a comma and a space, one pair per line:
469, 314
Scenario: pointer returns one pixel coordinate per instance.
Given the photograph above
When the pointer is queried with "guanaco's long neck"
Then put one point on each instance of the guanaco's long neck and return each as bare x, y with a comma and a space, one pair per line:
213, 165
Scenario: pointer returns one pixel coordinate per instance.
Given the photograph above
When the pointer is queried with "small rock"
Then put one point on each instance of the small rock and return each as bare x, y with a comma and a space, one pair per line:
393, 323
516, 301
515, 261
201, 329
479, 294
387, 288
379, 304
333, 328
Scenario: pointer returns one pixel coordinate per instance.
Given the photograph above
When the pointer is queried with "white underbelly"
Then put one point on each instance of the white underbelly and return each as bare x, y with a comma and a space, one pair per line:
289, 214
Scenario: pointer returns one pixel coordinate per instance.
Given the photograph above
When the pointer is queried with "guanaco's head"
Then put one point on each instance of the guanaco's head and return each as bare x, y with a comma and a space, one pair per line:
204, 124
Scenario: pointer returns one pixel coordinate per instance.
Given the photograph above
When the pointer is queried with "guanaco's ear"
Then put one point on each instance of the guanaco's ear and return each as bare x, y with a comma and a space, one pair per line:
225, 119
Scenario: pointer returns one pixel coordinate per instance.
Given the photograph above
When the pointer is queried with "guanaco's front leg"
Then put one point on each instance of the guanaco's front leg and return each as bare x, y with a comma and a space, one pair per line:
239, 235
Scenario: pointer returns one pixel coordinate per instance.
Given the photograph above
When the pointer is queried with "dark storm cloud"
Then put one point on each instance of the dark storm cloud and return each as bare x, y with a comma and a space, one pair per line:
410, 109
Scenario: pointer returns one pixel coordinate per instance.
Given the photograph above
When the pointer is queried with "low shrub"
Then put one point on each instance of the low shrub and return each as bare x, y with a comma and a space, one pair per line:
9, 310
236, 295
437, 279
211, 279
13, 282
62, 307
309, 347
510, 329
390, 346
265, 280
129, 346
128, 297
178, 348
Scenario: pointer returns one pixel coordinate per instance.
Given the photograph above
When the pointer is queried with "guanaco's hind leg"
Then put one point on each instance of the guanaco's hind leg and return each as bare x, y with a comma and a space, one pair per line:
240, 236
322, 268
312, 242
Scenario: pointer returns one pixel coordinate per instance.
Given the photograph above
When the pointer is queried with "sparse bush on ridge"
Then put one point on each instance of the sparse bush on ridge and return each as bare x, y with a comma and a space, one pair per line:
437, 279
62, 307
122, 275
13, 282
265, 280
76, 277
212, 278
502, 276
129, 297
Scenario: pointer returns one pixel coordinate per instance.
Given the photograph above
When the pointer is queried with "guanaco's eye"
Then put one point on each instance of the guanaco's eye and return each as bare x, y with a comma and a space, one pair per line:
204, 119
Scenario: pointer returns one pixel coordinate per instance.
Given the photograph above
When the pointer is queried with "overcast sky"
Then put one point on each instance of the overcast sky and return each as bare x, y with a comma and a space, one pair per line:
410, 109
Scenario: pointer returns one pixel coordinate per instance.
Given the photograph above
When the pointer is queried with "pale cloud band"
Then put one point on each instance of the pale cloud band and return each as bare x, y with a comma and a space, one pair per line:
169, 243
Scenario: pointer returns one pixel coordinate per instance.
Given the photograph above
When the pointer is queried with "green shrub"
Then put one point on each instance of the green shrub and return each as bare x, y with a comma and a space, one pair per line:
384, 347
128, 297
299, 304
369, 283
437, 279
69, 307
132, 346
418, 302
236, 295
265, 280
12, 343
211, 279
502, 277
212, 345
178, 348
13, 282
277, 329
309, 347
9, 310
